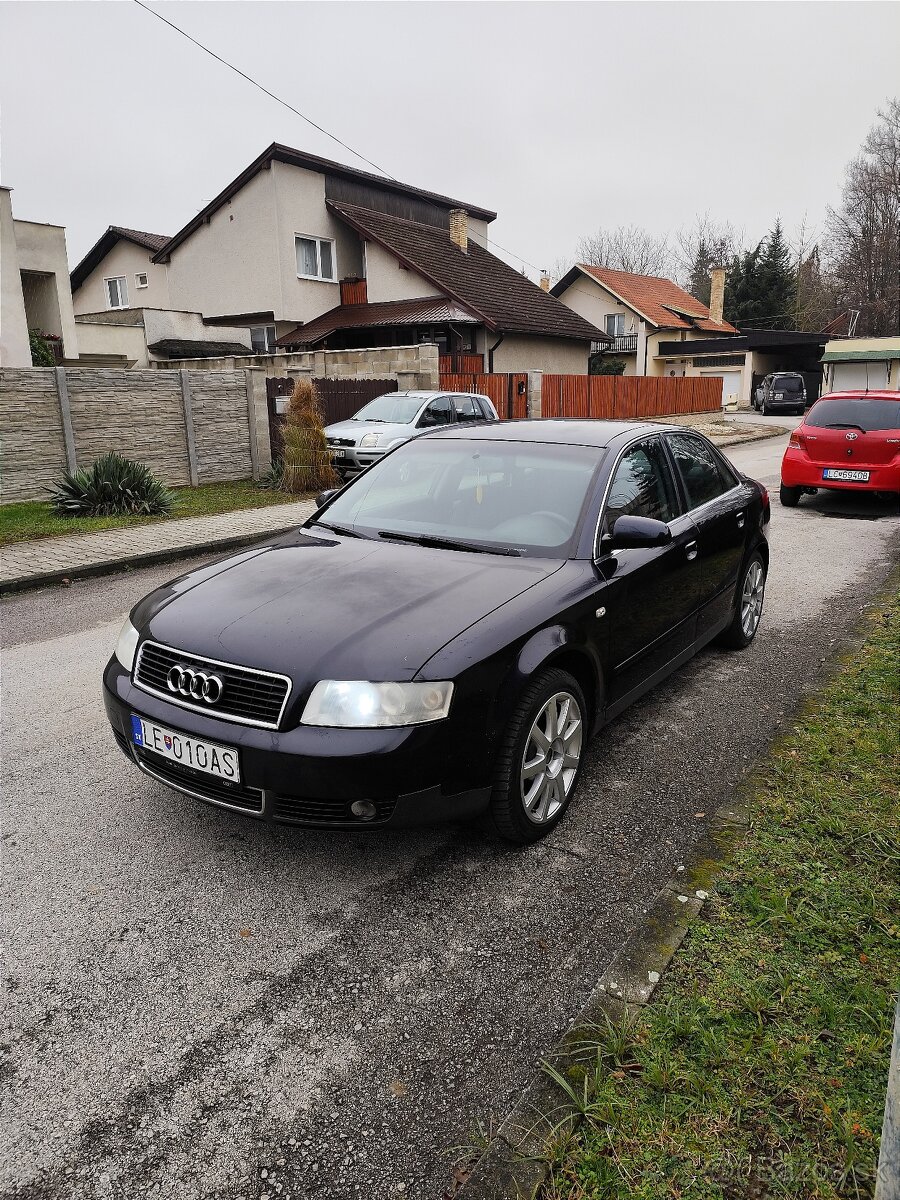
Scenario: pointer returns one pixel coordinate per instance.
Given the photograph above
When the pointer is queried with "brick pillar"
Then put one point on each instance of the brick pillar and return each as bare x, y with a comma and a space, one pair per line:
533, 399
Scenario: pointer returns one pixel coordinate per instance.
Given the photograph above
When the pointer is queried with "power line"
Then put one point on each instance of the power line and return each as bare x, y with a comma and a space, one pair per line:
265, 90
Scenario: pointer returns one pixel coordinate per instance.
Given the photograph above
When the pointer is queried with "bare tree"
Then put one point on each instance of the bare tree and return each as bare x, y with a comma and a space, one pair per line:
626, 248
863, 251
700, 247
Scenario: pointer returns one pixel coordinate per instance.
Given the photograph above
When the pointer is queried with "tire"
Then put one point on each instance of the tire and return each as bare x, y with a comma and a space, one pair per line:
525, 806
789, 496
751, 591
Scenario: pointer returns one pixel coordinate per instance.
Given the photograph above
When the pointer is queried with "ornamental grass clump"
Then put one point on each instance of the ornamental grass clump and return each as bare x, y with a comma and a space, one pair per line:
113, 486
306, 461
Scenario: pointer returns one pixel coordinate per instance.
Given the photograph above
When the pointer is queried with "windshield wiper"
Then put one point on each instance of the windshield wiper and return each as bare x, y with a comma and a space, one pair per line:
344, 529
442, 543
846, 425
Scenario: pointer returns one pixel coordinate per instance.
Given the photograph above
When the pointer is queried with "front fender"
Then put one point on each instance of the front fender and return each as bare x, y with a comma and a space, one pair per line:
553, 646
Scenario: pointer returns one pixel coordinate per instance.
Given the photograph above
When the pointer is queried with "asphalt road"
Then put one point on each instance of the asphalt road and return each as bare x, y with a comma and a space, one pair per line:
199, 1006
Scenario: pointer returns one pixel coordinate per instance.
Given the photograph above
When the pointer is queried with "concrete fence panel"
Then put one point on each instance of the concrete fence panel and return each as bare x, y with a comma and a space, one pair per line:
221, 425
33, 450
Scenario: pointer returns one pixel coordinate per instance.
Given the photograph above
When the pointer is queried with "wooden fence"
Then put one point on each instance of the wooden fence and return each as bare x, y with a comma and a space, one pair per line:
451, 364
622, 396
508, 393
339, 399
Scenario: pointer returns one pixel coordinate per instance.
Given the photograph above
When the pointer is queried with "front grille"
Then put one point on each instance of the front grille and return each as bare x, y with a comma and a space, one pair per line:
336, 441
248, 696
201, 784
308, 810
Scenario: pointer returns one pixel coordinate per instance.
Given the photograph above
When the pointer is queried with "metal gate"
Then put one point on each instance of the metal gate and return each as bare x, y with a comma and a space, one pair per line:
339, 399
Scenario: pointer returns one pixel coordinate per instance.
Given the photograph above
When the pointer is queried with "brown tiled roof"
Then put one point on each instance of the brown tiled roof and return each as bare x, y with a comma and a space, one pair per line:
114, 234
365, 316
661, 301
496, 293
311, 162
183, 348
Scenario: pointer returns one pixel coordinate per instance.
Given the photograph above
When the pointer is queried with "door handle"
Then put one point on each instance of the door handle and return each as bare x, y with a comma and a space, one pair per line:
690, 550
740, 520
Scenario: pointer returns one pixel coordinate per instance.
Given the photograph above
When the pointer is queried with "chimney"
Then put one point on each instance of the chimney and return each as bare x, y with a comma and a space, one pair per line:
545, 282
716, 294
459, 229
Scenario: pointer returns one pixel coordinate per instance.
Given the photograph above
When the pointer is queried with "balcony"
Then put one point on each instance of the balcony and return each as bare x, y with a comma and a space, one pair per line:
622, 345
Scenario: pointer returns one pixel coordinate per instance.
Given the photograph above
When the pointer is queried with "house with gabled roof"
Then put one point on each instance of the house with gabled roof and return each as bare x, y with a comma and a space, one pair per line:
638, 312
118, 272
305, 251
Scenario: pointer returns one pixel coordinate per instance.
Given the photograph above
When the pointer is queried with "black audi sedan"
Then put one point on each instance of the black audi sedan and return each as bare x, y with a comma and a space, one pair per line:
445, 634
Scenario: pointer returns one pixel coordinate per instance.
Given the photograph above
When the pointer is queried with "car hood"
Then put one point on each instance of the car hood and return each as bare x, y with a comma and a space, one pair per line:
355, 429
331, 607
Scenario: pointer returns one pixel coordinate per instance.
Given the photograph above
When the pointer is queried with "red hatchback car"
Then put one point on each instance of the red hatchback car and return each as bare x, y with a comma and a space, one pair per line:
848, 441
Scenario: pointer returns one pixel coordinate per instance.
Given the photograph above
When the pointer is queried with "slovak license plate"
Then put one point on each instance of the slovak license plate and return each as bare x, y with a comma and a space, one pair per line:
336, 453
221, 761
845, 476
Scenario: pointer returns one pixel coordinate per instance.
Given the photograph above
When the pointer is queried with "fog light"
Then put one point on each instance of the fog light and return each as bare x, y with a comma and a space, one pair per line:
364, 809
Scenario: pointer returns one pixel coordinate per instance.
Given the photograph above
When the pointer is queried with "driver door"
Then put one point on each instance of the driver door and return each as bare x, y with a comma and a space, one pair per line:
652, 593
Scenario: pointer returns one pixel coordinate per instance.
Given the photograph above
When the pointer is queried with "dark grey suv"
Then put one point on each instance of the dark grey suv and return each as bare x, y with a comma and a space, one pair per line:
782, 391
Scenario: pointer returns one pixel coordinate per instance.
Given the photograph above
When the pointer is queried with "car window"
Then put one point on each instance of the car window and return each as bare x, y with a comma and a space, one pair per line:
642, 486
467, 410
787, 383
855, 413
438, 412
395, 408
703, 475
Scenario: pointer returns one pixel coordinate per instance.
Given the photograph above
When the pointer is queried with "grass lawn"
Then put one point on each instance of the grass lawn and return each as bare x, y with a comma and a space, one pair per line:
760, 1067
34, 518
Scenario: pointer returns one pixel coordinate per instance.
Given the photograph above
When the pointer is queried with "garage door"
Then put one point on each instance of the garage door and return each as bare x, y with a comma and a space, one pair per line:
731, 384
857, 376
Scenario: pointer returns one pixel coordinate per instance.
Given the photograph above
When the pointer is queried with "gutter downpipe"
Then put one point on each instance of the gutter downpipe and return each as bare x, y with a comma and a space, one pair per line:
491, 350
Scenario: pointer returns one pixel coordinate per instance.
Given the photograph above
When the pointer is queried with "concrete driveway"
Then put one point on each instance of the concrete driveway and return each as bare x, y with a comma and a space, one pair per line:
199, 1006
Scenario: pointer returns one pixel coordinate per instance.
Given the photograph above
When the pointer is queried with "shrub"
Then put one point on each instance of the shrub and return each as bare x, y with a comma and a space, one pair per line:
41, 353
113, 486
306, 462
600, 365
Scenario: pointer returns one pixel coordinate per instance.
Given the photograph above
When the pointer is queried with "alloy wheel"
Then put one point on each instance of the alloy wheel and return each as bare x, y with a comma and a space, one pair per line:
752, 598
551, 758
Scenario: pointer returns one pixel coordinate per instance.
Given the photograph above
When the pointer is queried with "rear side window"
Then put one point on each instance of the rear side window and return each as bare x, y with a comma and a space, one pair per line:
855, 413
467, 410
703, 473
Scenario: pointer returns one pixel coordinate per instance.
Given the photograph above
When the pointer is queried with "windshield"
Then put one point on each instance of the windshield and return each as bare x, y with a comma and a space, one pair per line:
787, 383
394, 407
502, 495
860, 413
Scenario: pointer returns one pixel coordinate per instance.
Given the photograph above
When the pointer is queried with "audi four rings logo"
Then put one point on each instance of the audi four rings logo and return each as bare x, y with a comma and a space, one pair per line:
851, 437
198, 685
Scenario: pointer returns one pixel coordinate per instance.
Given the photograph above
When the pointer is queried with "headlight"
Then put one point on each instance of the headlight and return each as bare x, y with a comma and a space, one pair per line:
354, 704
369, 439
126, 645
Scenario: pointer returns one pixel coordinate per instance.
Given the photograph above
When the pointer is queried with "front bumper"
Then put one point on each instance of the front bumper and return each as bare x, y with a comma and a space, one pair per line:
309, 776
353, 459
799, 470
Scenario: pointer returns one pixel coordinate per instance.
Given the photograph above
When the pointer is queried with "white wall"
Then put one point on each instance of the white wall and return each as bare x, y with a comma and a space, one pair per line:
169, 323
386, 279
42, 249
126, 259
95, 337
587, 298
521, 352
15, 350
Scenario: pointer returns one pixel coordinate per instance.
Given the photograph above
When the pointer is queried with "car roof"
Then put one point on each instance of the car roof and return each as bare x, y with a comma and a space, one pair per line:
421, 395
861, 394
564, 431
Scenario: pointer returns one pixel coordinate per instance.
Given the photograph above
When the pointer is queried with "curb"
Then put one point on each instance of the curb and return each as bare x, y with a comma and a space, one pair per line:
110, 566
745, 441
513, 1167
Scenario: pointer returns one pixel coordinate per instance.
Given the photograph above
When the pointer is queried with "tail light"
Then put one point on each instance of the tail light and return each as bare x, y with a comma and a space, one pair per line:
798, 441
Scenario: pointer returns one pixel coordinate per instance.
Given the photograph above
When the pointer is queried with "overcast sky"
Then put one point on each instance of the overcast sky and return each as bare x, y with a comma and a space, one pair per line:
560, 116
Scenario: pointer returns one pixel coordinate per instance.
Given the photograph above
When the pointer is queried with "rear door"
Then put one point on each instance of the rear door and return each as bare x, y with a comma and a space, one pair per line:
652, 593
720, 505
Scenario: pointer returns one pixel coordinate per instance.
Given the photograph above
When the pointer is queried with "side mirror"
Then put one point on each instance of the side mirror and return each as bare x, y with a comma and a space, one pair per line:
635, 533
323, 497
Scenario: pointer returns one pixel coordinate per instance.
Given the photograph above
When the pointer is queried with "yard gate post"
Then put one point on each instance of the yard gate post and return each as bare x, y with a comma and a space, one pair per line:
65, 413
533, 409
189, 428
258, 415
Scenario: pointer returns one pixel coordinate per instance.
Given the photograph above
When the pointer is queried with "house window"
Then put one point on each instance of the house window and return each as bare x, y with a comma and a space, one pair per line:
615, 325
140, 279
116, 293
262, 339
315, 258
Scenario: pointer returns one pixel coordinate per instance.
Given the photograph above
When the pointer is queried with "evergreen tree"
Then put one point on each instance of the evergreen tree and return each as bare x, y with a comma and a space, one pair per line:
761, 285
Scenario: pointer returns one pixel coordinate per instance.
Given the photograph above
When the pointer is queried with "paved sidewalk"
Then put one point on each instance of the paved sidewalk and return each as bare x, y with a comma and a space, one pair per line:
49, 560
